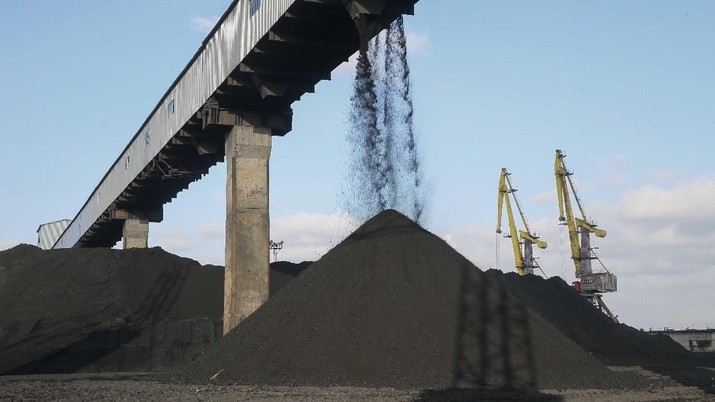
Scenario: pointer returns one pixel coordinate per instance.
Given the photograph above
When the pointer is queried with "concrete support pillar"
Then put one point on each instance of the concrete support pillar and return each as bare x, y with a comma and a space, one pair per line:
136, 233
248, 150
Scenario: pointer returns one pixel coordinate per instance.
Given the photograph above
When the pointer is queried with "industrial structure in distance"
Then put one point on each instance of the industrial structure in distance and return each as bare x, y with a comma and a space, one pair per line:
591, 284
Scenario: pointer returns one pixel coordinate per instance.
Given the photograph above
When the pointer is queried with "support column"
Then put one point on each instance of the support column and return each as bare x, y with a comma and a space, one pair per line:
248, 150
135, 233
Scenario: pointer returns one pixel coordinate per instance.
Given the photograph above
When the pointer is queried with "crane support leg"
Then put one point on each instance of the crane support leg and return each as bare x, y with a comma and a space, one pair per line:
602, 306
248, 152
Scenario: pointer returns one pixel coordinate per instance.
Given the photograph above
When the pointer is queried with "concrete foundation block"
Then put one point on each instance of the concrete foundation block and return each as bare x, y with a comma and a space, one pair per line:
136, 233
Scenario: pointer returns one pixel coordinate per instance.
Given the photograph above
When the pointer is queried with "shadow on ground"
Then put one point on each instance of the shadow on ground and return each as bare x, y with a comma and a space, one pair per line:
494, 358
456, 394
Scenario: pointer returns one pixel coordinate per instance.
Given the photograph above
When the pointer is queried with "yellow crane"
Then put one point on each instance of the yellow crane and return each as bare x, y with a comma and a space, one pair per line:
524, 262
590, 284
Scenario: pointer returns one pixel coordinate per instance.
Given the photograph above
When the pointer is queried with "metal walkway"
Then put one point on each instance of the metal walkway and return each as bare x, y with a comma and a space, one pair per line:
260, 58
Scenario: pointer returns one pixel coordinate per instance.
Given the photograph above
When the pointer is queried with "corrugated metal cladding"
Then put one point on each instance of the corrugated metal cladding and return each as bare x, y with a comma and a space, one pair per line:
48, 233
225, 48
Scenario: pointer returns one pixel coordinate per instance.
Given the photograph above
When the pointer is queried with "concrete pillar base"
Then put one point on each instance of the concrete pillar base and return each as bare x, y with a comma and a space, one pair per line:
136, 233
248, 150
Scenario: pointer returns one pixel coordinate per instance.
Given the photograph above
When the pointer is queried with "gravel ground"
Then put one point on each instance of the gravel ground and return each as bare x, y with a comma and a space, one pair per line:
139, 386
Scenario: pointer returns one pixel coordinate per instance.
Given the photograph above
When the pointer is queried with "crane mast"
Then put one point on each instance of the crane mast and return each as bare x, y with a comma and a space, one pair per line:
523, 261
590, 284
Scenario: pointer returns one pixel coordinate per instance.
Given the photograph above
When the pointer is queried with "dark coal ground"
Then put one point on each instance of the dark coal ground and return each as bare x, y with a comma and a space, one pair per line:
143, 387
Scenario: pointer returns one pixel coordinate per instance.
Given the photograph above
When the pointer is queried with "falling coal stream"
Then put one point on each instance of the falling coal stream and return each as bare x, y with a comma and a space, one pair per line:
385, 170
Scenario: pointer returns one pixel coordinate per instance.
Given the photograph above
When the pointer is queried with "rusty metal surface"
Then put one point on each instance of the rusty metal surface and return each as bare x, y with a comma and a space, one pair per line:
599, 282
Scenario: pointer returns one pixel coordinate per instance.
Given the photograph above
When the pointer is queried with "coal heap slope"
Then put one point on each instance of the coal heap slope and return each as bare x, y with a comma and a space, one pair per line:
109, 310
395, 306
103, 310
579, 320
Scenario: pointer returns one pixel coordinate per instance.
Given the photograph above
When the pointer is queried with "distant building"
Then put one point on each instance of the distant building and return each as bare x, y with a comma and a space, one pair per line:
694, 340
48, 233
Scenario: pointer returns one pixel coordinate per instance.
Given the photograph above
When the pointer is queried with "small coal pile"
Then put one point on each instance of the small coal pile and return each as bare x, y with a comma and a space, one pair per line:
85, 310
282, 272
579, 320
395, 306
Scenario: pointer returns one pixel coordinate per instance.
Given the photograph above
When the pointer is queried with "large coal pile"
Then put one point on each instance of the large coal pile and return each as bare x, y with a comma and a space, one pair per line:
578, 319
395, 306
109, 310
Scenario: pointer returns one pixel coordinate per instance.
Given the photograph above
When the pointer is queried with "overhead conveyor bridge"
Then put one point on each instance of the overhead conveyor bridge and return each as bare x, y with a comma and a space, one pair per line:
260, 58
229, 101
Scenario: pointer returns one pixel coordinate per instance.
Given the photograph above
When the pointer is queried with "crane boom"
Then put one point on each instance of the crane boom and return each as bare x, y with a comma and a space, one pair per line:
590, 283
518, 205
523, 261
504, 192
565, 210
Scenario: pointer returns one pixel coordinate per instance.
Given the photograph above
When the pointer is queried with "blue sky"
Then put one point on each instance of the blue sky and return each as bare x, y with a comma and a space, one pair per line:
626, 89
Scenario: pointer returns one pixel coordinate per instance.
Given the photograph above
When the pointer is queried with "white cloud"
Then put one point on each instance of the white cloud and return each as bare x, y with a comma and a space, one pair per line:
613, 179
203, 24
666, 175
659, 244
306, 236
692, 199
212, 230
477, 243
618, 159
173, 239
10, 243
309, 236
418, 44
612, 170
177, 244
544, 198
